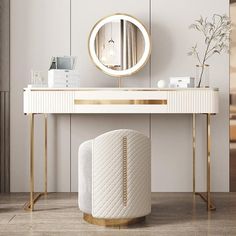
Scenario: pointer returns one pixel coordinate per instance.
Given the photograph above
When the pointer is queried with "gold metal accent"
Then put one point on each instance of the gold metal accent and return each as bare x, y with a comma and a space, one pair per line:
210, 205
194, 153
112, 222
29, 206
35, 197
45, 154
125, 170
31, 162
120, 102
208, 162
207, 198
149, 53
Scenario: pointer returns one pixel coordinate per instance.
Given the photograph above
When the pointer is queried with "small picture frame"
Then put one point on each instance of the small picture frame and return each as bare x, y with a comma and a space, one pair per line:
37, 78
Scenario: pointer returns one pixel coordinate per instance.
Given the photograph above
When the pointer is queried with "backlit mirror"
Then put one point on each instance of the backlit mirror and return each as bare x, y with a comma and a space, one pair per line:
119, 45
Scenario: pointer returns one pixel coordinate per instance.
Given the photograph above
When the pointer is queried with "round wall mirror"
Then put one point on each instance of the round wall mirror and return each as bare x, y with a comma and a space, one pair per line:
119, 45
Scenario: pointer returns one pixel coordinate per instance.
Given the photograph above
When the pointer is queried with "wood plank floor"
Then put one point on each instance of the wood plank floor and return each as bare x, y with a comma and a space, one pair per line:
172, 214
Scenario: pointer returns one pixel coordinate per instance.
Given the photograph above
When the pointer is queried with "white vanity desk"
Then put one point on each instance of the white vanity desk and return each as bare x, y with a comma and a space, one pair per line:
119, 100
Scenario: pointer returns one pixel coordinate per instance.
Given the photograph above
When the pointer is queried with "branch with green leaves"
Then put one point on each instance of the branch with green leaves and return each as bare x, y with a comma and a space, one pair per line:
216, 38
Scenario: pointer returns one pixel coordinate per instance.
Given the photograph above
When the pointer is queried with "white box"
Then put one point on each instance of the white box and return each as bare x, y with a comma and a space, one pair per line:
182, 82
63, 78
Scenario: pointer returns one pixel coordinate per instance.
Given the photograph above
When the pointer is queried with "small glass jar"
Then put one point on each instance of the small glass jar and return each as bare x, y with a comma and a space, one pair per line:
202, 79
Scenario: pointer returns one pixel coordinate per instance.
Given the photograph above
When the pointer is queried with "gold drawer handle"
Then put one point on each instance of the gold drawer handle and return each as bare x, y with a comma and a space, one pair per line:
120, 102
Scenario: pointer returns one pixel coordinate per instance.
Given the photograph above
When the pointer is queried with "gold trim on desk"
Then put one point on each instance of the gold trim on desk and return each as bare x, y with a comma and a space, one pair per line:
120, 102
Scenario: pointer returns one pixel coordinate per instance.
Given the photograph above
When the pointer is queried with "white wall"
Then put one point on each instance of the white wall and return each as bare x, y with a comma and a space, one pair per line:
42, 28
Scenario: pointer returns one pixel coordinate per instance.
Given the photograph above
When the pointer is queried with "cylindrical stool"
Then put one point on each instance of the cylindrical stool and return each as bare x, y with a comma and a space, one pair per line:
115, 178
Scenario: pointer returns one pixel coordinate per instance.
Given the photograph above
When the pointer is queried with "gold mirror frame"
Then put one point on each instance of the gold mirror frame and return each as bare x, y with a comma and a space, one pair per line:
119, 73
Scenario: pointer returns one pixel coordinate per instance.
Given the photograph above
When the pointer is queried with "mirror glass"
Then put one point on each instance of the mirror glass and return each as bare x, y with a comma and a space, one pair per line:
119, 45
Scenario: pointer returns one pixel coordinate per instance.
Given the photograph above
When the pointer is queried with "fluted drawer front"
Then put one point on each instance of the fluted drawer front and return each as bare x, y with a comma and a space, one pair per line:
48, 102
199, 101
121, 101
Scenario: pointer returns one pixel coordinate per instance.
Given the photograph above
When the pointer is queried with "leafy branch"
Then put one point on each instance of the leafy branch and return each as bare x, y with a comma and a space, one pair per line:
216, 38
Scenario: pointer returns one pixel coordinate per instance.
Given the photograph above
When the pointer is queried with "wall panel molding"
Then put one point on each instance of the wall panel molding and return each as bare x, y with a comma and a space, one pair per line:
4, 142
4, 95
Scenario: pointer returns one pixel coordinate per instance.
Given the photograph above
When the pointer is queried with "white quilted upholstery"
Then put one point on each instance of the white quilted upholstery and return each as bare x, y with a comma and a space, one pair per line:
107, 175
85, 177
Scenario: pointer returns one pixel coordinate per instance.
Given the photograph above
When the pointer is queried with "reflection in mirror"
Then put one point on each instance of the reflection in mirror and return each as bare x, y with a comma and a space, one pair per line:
119, 44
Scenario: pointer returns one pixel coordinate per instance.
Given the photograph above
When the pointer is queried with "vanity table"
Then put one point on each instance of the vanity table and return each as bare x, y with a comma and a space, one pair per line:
192, 101
120, 53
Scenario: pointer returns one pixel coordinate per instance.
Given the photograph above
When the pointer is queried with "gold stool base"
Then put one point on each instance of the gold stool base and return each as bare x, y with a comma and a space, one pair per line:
112, 222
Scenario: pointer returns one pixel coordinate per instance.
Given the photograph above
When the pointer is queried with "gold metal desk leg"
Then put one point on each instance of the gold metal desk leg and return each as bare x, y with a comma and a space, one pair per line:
208, 162
207, 198
34, 198
45, 154
31, 162
194, 152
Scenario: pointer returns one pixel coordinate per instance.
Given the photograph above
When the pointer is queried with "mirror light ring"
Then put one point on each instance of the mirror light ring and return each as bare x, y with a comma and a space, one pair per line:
143, 60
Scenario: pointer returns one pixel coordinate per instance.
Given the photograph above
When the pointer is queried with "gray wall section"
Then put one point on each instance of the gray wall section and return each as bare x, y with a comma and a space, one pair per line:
4, 142
4, 95
44, 28
4, 45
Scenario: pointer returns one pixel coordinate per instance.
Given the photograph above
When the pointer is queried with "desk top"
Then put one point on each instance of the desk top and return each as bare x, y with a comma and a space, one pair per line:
117, 89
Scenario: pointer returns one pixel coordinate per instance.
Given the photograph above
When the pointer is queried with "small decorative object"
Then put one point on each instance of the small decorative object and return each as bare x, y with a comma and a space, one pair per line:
161, 84
182, 82
62, 72
37, 79
216, 39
